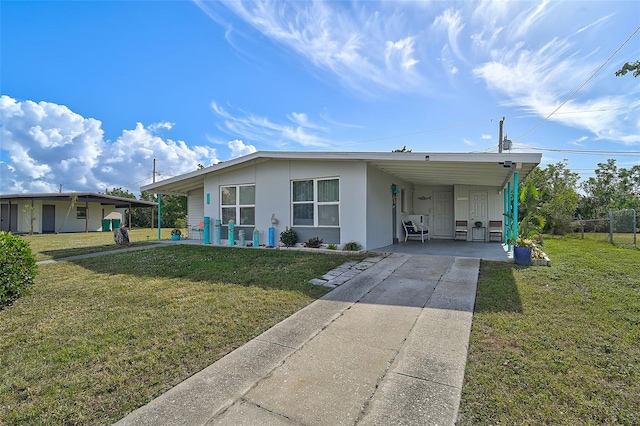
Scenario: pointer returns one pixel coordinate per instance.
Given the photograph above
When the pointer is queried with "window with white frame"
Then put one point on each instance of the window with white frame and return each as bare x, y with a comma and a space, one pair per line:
238, 203
316, 202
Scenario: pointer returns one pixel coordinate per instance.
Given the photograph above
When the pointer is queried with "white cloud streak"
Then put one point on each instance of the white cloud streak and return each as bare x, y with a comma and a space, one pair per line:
298, 131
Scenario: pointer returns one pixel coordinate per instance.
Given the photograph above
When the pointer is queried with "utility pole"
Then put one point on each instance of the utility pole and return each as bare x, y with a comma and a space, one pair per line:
500, 135
60, 188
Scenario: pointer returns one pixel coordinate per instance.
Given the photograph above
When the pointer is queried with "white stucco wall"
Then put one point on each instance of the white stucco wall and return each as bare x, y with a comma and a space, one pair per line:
380, 210
273, 193
72, 223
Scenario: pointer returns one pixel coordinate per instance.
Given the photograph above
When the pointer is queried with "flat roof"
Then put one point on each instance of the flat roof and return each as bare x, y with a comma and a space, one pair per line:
421, 168
91, 197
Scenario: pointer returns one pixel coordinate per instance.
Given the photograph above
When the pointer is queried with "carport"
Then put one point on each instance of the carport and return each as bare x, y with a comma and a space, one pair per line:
15, 219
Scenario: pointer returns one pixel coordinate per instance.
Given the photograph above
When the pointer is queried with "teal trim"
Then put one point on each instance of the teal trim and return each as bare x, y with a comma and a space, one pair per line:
514, 225
159, 215
505, 209
208, 198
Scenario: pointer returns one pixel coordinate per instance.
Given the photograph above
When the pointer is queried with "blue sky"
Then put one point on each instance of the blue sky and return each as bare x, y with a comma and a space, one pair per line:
93, 91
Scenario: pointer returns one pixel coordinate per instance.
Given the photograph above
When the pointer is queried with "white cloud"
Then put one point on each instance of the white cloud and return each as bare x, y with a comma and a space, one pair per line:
238, 148
49, 144
248, 126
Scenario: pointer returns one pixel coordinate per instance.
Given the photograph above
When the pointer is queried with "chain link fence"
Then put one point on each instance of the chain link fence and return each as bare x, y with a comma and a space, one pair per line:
620, 228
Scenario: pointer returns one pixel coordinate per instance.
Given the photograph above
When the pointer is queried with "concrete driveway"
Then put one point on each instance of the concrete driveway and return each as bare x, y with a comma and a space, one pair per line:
387, 347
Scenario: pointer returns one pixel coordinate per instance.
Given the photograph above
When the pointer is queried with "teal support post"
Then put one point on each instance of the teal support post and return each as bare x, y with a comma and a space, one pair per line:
256, 238
231, 233
206, 230
218, 232
510, 215
159, 215
514, 225
505, 209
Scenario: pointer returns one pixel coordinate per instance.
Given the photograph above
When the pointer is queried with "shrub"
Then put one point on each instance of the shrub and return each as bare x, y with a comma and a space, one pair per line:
313, 242
17, 267
352, 246
288, 237
332, 247
180, 223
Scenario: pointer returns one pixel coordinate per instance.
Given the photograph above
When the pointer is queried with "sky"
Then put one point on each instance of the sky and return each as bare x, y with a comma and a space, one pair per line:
93, 91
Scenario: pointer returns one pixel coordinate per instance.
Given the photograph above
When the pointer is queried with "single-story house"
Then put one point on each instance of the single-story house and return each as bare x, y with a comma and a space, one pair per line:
55, 212
352, 196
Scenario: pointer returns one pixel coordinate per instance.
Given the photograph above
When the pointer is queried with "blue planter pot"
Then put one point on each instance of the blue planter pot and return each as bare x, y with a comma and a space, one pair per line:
522, 255
175, 237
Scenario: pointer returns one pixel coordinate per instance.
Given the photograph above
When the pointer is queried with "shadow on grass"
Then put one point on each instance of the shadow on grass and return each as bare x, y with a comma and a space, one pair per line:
497, 289
267, 269
78, 251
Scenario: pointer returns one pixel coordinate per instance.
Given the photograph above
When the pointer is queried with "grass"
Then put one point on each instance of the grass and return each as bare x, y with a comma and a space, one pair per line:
55, 246
557, 345
97, 338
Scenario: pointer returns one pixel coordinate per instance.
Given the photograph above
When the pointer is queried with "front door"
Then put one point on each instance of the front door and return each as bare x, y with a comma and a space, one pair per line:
478, 212
443, 214
48, 218
9, 217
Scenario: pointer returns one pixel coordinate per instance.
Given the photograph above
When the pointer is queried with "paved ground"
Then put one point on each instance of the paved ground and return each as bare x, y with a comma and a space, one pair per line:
388, 346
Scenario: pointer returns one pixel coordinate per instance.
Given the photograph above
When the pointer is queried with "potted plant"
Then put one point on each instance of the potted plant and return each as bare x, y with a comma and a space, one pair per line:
478, 224
175, 234
529, 228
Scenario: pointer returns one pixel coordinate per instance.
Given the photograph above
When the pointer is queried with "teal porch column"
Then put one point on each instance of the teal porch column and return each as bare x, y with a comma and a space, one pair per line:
514, 225
159, 215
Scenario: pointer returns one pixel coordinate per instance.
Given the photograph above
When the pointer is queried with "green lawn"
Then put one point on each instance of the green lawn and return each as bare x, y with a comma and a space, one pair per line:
558, 345
55, 246
97, 338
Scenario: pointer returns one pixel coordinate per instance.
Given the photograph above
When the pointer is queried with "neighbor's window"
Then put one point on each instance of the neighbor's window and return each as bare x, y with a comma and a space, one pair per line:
238, 203
81, 213
316, 202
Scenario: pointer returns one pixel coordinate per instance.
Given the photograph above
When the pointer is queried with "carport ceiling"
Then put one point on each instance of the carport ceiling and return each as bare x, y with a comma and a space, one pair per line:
452, 173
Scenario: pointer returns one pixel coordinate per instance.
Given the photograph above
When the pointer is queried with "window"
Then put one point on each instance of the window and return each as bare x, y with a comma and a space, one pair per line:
81, 213
238, 203
316, 202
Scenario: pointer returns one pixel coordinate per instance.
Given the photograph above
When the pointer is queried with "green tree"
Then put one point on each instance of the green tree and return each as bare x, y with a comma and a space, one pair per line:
629, 67
558, 196
612, 188
119, 192
174, 207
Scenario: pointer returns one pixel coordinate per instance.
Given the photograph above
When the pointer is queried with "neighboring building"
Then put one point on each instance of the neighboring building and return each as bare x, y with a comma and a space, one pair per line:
351, 196
50, 212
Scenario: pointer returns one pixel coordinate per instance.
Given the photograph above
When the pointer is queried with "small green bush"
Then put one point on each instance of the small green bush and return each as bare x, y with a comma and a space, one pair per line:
288, 237
352, 246
17, 267
332, 247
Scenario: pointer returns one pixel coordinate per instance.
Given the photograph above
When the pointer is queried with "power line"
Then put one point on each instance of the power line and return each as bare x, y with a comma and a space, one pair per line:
581, 86
583, 151
424, 131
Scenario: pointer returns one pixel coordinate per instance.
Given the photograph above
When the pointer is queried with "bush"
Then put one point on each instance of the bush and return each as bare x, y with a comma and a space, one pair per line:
17, 267
332, 247
352, 246
288, 237
313, 242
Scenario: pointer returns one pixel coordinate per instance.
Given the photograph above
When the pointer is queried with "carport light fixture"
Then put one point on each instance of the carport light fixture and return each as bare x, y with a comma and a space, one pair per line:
506, 164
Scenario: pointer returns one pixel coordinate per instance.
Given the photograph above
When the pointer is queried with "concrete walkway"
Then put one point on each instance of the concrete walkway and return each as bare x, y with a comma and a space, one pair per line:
388, 346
